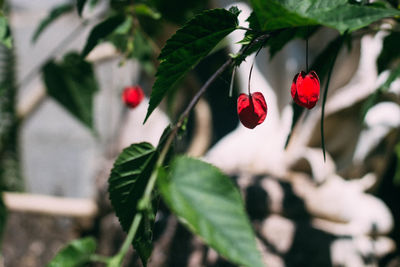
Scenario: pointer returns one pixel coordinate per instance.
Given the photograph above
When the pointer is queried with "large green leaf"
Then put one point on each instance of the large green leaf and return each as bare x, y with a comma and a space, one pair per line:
72, 83
338, 14
127, 183
54, 14
211, 206
101, 31
187, 47
77, 253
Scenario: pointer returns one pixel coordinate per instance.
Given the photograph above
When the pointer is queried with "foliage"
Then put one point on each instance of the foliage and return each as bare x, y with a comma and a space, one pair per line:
340, 14
127, 181
211, 206
201, 196
54, 14
187, 47
101, 31
75, 254
73, 85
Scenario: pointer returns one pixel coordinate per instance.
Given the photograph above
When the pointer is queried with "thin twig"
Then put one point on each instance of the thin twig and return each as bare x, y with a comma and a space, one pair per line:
145, 201
326, 93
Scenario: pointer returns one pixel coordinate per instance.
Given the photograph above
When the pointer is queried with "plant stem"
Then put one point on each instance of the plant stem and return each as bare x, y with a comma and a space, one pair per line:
117, 259
251, 70
99, 258
202, 91
145, 201
307, 55
326, 93
244, 28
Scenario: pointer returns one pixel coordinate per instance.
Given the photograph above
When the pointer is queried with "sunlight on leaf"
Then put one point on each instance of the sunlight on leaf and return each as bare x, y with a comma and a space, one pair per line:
338, 14
210, 205
187, 47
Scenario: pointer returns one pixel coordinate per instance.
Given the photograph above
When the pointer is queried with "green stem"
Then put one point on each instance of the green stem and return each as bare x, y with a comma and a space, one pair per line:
99, 258
326, 93
145, 201
117, 259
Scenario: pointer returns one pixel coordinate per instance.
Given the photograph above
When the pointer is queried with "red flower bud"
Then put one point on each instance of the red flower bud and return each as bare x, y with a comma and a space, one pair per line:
305, 89
252, 109
132, 96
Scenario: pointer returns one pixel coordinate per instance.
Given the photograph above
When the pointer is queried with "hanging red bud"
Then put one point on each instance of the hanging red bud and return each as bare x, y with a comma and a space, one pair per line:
305, 89
132, 96
252, 109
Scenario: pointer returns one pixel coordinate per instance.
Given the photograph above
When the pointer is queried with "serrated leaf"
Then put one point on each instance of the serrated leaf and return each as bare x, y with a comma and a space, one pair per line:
101, 31
209, 204
390, 51
72, 84
77, 253
80, 4
338, 14
235, 10
187, 47
54, 14
127, 183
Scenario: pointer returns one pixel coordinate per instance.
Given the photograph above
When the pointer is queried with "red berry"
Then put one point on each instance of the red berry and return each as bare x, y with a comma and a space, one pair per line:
132, 96
252, 109
305, 89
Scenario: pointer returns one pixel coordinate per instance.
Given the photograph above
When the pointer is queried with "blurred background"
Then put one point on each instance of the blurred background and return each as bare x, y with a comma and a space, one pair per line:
306, 211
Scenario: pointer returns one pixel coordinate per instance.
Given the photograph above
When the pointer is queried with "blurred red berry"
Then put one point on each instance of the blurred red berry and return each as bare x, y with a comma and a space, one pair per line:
252, 109
305, 89
132, 96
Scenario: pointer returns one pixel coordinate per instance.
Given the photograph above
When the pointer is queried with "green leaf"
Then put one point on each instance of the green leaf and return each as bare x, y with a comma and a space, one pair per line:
101, 31
235, 10
390, 52
338, 14
5, 35
127, 183
145, 10
72, 83
80, 4
76, 253
179, 11
10, 173
54, 14
187, 47
209, 204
